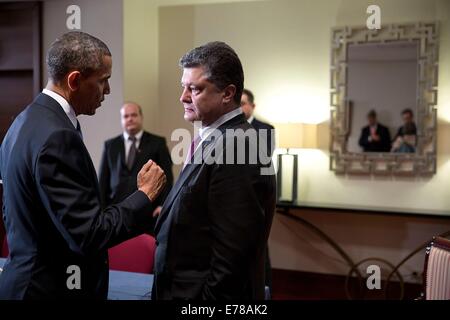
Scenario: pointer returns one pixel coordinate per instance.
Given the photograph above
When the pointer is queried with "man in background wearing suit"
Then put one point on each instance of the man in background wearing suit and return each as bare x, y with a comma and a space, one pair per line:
248, 107
58, 235
213, 228
408, 122
375, 137
125, 154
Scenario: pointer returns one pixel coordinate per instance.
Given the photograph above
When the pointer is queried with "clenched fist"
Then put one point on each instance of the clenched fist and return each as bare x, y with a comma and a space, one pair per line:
151, 180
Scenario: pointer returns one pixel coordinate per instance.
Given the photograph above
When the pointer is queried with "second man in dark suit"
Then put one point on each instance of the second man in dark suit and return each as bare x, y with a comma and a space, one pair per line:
375, 137
213, 228
126, 153
248, 107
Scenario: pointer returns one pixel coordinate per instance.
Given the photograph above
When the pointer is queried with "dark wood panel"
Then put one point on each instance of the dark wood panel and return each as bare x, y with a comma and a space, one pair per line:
16, 34
16, 93
20, 58
5, 122
299, 285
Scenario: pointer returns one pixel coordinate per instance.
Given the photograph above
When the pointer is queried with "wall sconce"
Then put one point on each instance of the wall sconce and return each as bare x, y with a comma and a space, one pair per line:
292, 136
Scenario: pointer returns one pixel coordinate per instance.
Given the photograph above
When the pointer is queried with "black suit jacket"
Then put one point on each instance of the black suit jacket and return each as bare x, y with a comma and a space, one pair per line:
384, 145
52, 209
117, 182
258, 125
213, 228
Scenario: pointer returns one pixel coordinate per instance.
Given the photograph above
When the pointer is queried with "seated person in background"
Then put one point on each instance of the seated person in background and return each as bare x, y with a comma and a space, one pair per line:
406, 142
408, 119
375, 137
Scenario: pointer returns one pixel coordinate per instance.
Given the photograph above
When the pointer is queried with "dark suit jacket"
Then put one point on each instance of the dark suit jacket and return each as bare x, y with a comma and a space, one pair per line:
258, 125
117, 182
213, 228
384, 145
52, 209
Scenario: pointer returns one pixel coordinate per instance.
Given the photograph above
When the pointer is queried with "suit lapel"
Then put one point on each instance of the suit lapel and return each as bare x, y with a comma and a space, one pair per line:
185, 174
51, 104
121, 150
206, 147
143, 150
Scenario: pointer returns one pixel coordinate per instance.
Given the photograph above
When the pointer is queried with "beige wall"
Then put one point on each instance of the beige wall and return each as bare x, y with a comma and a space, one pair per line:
285, 50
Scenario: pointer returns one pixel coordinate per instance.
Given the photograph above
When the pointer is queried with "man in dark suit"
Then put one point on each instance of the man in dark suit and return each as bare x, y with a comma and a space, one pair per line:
58, 235
125, 154
375, 137
248, 107
213, 228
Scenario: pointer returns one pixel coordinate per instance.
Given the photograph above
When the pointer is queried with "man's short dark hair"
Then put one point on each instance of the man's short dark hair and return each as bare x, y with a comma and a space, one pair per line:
75, 51
221, 63
249, 94
372, 114
408, 111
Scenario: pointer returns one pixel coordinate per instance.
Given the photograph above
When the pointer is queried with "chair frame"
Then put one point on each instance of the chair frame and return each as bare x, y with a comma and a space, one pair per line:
438, 242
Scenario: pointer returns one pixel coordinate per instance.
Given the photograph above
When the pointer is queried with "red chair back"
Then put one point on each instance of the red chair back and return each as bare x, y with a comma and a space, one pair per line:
134, 255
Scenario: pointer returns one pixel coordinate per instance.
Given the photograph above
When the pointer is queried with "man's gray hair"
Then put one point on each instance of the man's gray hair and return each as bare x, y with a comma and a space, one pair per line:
75, 50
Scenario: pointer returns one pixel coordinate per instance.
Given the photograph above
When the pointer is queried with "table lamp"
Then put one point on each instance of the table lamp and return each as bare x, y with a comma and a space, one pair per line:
291, 136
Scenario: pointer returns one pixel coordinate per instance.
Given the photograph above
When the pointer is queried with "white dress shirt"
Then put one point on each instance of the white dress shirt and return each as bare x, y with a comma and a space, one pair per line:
64, 104
128, 142
204, 132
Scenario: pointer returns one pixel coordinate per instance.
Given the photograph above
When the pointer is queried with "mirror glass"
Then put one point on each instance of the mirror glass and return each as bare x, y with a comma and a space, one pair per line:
382, 96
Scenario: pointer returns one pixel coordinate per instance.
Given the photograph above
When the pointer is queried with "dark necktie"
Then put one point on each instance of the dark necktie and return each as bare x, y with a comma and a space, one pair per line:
132, 152
79, 129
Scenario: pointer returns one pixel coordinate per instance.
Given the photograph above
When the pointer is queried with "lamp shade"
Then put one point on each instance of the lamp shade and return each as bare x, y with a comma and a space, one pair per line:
296, 135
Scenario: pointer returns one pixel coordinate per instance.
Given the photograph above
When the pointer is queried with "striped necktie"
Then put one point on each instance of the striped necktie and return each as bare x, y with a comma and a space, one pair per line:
132, 152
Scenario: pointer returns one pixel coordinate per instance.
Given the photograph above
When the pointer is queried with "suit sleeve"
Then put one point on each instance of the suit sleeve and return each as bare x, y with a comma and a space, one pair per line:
237, 222
386, 140
165, 162
68, 188
363, 139
104, 178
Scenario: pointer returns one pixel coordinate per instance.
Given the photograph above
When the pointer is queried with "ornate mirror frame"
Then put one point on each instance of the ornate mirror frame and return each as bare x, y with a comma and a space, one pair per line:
423, 162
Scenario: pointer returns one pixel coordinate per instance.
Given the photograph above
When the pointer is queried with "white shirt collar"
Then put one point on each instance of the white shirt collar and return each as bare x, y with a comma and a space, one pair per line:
204, 132
137, 135
250, 120
64, 104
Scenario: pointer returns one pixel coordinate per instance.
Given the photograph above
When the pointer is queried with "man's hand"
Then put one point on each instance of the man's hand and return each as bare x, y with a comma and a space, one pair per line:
376, 137
151, 180
157, 211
